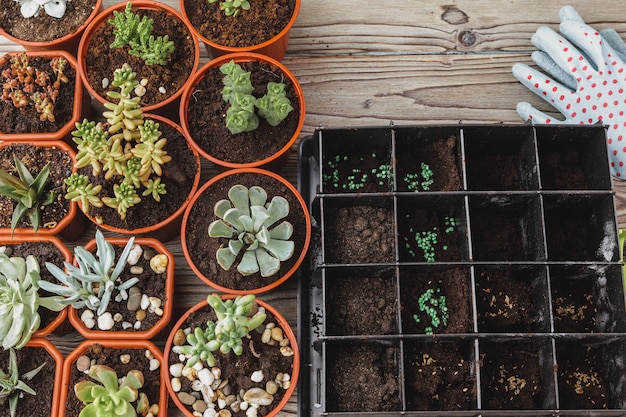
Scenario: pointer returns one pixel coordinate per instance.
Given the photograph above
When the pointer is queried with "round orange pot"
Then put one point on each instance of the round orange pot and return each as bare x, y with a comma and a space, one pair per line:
275, 47
80, 105
273, 162
67, 43
122, 345
213, 186
69, 227
170, 226
167, 106
167, 306
204, 306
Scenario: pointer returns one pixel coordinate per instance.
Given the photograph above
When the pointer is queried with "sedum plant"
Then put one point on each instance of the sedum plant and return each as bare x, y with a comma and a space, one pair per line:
127, 149
249, 222
20, 301
54, 8
29, 193
107, 397
232, 7
274, 106
91, 283
130, 29
13, 385
235, 319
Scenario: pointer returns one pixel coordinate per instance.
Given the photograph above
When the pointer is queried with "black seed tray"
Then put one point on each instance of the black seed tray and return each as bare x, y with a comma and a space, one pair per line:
491, 257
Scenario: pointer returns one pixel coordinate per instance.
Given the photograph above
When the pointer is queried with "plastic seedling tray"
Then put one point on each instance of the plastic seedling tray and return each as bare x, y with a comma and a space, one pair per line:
461, 270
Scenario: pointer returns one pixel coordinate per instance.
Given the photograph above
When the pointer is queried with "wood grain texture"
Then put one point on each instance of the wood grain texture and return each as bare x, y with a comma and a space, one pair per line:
410, 62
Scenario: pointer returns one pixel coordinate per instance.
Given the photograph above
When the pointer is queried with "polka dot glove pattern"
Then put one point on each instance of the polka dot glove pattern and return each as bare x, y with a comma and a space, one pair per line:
586, 80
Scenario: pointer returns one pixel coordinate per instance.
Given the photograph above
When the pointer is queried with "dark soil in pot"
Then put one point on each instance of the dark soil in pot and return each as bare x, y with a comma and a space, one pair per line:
178, 177
439, 376
251, 27
206, 115
42, 27
102, 61
35, 158
202, 249
29, 358
27, 119
111, 357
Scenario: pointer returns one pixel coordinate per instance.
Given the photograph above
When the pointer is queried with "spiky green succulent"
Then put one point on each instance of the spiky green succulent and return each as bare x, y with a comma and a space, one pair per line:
13, 386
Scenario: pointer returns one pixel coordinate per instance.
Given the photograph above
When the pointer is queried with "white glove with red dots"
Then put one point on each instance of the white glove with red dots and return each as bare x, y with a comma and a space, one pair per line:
586, 82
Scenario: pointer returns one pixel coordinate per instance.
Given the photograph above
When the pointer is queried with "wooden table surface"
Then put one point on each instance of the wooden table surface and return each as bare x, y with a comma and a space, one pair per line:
410, 62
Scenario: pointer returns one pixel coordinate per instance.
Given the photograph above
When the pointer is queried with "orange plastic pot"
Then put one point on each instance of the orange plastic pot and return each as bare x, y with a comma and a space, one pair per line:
204, 305
275, 47
69, 227
168, 303
207, 188
80, 105
168, 105
81, 349
273, 162
170, 226
67, 43
42, 343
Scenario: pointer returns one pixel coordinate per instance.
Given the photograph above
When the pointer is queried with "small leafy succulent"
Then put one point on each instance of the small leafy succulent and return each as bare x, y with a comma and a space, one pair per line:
13, 386
234, 321
29, 193
107, 397
54, 8
249, 223
130, 29
232, 7
20, 301
91, 283
274, 106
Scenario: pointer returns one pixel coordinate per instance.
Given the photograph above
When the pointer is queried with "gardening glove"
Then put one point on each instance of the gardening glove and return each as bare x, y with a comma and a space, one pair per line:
586, 80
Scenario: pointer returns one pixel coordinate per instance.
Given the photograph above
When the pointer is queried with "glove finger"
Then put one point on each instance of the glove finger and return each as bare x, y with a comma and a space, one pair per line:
562, 51
527, 112
614, 40
588, 40
548, 65
551, 91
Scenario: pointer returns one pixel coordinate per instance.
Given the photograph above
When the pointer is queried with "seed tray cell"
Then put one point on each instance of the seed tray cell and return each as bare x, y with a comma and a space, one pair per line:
481, 264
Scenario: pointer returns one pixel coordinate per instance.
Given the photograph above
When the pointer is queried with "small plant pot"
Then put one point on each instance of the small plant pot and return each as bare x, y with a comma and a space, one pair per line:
122, 356
197, 316
62, 218
68, 42
47, 383
202, 109
200, 250
162, 93
209, 24
70, 106
157, 286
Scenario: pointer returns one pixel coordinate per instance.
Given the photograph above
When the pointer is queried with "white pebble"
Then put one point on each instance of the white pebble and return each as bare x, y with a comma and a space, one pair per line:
135, 254
118, 298
251, 412
126, 325
209, 412
105, 321
176, 369
140, 90
243, 405
118, 317
145, 302
158, 311
125, 358
154, 364
257, 376
105, 82
137, 325
196, 385
176, 385
206, 376
87, 317
162, 90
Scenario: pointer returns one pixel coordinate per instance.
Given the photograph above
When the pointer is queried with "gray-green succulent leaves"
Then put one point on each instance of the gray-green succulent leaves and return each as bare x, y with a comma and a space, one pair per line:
13, 386
234, 321
19, 300
91, 283
250, 224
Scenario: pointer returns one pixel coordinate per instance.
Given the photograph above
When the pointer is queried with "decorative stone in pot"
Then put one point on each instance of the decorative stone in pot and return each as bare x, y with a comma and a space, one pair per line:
251, 370
257, 236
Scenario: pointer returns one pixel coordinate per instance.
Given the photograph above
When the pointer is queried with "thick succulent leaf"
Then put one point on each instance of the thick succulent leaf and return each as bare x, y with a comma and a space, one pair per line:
225, 258
55, 8
258, 196
105, 375
18, 212
248, 264
283, 231
39, 183
84, 390
121, 262
259, 216
235, 246
238, 194
23, 172
268, 264
29, 9
277, 209
35, 218
263, 237
220, 229
104, 251
281, 249
247, 223
10, 267
221, 207
232, 217
13, 338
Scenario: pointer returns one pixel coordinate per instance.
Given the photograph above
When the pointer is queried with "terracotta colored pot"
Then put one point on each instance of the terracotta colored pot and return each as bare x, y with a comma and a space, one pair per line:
282, 323
70, 361
80, 105
273, 162
275, 47
69, 227
43, 343
300, 253
168, 303
170, 226
171, 103
67, 43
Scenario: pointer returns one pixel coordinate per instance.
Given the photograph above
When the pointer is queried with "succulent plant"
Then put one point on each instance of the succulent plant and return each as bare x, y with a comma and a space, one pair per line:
274, 106
130, 29
232, 7
91, 283
54, 8
250, 224
20, 301
107, 397
235, 319
13, 385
